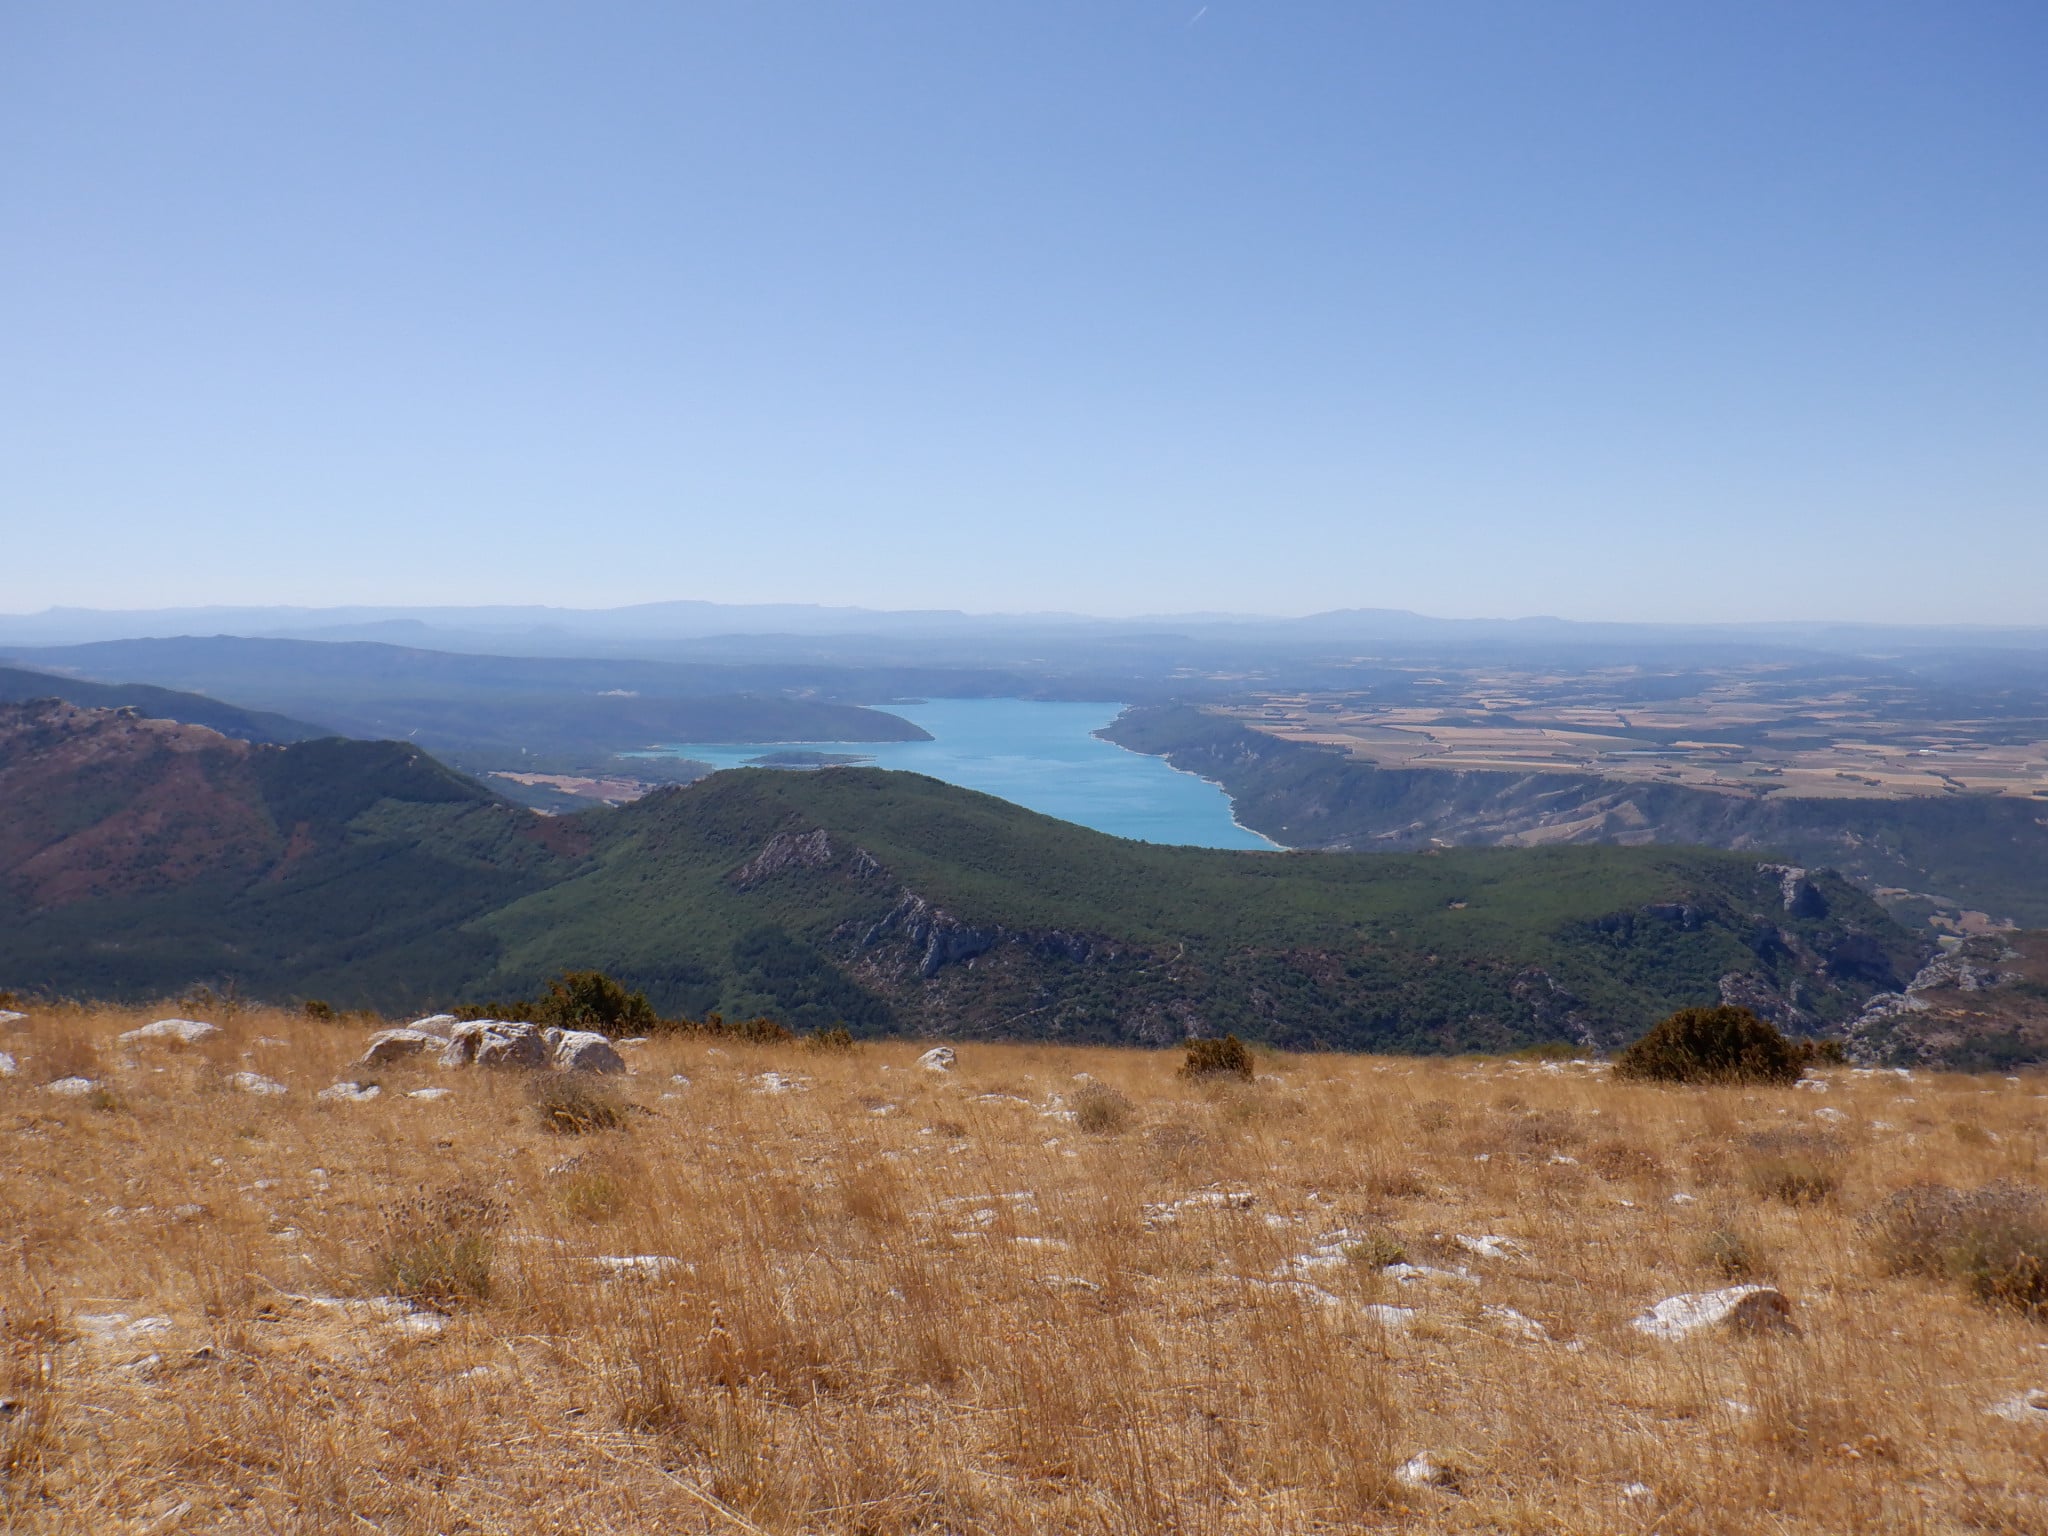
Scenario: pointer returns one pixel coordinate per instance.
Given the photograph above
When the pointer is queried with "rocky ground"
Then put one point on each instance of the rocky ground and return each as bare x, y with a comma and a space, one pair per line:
254, 1282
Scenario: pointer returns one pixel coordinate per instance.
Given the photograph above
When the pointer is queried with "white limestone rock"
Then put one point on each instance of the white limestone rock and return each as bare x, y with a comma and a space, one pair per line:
349, 1093
1745, 1308
388, 1047
495, 1043
1423, 1470
71, 1087
939, 1058
257, 1083
583, 1050
2029, 1407
183, 1031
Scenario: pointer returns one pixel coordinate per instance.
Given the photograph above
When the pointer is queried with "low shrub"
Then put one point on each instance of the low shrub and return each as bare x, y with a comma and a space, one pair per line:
577, 1103
835, 1041
437, 1249
591, 1197
1795, 1166
1993, 1240
1101, 1111
1617, 1159
1435, 1115
1730, 1255
314, 1008
1543, 1133
1227, 1057
1711, 1045
1376, 1250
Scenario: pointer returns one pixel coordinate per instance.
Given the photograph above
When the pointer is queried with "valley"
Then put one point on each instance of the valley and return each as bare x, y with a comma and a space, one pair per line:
144, 858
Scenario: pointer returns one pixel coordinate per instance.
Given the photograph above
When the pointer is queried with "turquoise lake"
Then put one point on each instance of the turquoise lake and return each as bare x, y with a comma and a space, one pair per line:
1042, 756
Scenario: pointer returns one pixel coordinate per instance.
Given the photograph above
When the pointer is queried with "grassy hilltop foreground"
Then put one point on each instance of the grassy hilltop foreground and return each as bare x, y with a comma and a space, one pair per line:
800, 1292
141, 857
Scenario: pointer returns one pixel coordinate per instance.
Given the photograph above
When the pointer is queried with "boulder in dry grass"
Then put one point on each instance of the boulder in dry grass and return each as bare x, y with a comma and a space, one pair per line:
495, 1043
584, 1050
178, 1031
1742, 1308
388, 1047
13, 1019
257, 1083
939, 1058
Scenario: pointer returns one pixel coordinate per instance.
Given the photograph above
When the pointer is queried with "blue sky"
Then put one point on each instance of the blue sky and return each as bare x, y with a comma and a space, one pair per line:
1603, 310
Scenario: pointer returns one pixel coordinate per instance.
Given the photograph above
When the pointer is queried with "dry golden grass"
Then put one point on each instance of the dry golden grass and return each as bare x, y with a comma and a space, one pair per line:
890, 1300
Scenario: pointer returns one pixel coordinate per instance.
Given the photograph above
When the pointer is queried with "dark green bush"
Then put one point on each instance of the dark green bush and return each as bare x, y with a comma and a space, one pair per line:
592, 1000
314, 1008
1217, 1058
1820, 1053
1711, 1045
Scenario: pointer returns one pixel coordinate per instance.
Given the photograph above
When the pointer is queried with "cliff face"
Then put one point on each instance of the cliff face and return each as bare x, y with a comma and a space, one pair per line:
1952, 855
1979, 1006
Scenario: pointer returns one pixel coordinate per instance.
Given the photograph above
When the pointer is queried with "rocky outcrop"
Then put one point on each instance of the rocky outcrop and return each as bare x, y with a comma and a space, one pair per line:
495, 1043
785, 851
939, 1058
1981, 1005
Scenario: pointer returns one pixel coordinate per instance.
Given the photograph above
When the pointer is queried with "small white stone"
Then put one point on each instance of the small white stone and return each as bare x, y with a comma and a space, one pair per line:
641, 1266
257, 1083
1423, 1471
7, 1066
430, 1093
2029, 1407
72, 1087
349, 1093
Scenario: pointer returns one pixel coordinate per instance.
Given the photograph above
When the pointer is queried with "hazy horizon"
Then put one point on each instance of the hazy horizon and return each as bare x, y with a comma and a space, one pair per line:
1593, 310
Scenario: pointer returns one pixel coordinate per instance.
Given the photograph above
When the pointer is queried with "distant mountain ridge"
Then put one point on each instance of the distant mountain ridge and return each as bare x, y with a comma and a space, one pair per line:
142, 857
689, 619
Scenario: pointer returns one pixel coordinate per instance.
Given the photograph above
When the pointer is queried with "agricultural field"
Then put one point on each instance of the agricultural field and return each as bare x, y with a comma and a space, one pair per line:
778, 1288
1759, 729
